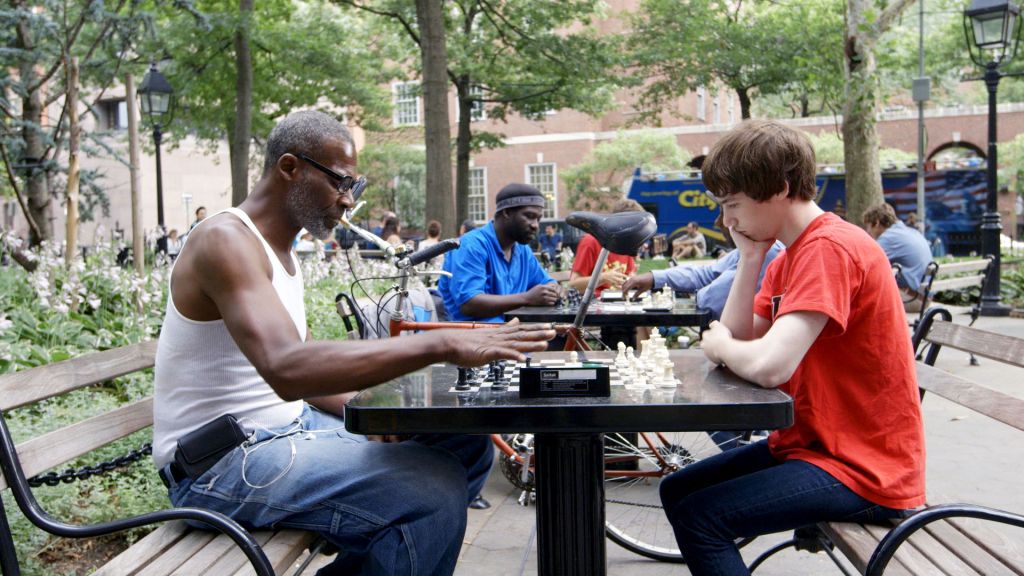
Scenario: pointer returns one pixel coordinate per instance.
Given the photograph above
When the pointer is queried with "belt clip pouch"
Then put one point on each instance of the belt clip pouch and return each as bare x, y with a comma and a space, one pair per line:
200, 449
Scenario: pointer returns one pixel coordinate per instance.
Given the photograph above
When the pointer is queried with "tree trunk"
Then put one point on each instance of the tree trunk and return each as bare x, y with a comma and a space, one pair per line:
138, 251
744, 94
37, 186
440, 201
241, 133
463, 143
860, 137
74, 172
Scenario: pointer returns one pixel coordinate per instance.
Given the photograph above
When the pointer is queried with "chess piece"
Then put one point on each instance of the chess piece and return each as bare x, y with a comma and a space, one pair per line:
574, 357
462, 383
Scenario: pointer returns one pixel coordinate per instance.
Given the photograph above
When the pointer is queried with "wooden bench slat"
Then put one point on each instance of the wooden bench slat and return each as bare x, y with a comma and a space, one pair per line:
282, 550
992, 403
140, 554
979, 558
999, 347
1007, 549
28, 386
44, 452
220, 556
963, 266
169, 560
857, 544
909, 556
945, 560
940, 285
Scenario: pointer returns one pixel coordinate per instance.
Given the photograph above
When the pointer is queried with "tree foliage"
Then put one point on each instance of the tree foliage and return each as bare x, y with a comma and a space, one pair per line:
513, 57
396, 174
788, 49
304, 55
596, 182
37, 39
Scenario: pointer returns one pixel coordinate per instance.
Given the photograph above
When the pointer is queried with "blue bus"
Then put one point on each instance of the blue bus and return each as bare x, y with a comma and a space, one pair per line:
954, 203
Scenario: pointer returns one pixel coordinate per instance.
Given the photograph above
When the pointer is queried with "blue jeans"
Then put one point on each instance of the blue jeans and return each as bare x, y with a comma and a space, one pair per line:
745, 492
396, 508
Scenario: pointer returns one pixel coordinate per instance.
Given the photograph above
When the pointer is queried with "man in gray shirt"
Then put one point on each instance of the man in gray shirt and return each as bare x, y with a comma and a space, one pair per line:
903, 245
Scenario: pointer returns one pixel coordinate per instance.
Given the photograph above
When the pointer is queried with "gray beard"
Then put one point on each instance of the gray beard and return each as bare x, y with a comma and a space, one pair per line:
304, 214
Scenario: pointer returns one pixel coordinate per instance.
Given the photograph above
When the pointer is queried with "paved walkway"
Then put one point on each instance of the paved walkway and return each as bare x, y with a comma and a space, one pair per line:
968, 460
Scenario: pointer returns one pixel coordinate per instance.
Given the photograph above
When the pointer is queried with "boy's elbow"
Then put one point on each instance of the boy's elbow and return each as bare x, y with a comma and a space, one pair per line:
772, 375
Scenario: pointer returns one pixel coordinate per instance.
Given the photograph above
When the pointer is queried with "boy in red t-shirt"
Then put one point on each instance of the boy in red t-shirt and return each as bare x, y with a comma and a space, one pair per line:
828, 328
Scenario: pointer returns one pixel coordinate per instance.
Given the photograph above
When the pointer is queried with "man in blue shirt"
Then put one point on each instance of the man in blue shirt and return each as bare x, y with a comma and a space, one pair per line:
711, 282
903, 245
494, 270
551, 244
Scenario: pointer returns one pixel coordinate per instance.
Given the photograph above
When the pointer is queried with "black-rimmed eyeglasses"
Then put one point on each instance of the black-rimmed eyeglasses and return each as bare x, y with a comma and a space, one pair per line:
345, 183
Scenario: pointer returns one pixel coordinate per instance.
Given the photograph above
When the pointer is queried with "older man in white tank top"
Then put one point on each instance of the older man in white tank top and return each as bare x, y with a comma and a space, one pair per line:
235, 341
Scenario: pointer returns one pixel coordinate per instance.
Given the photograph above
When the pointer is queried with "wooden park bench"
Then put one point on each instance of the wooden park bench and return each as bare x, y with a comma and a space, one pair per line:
941, 538
962, 276
174, 547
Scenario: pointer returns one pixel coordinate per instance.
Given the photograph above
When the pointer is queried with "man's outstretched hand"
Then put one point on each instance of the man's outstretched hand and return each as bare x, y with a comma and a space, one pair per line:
509, 341
638, 284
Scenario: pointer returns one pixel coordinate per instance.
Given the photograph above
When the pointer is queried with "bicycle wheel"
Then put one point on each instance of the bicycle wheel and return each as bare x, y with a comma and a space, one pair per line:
634, 467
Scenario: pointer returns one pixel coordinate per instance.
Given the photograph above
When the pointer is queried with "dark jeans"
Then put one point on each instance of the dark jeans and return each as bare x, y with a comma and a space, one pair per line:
745, 492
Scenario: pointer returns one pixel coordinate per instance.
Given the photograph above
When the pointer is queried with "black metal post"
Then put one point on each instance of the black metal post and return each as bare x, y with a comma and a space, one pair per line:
157, 138
990, 221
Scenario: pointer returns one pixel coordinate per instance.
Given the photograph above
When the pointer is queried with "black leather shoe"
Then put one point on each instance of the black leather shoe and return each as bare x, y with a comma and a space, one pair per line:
479, 503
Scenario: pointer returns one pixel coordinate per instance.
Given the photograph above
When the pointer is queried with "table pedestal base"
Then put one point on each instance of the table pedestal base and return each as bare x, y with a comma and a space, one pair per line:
570, 504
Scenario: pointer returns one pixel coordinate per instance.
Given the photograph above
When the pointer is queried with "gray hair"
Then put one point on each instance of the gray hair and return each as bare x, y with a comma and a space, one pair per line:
302, 132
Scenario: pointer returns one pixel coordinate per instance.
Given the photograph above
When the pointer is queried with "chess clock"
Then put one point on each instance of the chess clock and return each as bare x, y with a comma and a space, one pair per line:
579, 380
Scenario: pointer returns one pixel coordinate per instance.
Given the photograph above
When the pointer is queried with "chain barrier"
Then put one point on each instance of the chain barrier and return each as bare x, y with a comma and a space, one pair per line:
70, 475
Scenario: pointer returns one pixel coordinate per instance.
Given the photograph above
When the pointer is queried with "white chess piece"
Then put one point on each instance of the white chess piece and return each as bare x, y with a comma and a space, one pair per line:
620, 359
668, 379
574, 357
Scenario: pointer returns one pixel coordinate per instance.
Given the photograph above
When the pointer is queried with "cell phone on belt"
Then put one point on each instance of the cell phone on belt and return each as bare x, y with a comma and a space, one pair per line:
203, 447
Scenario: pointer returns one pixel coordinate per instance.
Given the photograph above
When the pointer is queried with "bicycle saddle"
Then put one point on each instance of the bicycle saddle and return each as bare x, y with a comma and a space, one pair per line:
621, 233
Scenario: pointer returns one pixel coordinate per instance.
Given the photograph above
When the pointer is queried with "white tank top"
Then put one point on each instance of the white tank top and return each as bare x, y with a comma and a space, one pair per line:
201, 374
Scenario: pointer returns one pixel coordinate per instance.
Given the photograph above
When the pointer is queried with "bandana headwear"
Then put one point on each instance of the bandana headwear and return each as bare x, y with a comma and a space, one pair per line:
518, 195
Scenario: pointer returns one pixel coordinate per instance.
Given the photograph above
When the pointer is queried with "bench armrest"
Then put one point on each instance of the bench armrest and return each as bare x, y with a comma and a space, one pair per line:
30, 507
892, 541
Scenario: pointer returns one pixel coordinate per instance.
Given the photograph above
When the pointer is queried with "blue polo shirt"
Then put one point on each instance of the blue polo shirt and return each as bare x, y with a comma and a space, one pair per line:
479, 267
906, 246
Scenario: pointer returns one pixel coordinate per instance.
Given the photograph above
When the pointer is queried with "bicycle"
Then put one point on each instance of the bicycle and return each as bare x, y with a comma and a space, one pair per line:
634, 462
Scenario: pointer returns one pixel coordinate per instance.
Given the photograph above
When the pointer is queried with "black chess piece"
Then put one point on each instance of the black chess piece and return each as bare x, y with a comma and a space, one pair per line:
463, 383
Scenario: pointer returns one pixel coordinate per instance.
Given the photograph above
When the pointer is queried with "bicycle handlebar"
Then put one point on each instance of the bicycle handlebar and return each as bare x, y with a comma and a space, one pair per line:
427, 253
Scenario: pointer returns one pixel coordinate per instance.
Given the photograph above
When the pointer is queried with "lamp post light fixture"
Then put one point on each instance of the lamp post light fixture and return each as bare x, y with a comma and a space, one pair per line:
992, 39
155, 100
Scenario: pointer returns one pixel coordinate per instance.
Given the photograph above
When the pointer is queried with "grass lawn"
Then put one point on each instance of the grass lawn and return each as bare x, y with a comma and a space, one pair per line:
648, 264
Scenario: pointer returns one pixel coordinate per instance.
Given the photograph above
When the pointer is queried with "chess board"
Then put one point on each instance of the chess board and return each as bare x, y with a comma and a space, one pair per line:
484, 381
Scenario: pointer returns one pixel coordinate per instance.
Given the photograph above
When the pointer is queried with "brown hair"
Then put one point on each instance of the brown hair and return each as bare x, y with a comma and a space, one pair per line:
627, 205
879, 214
758, 158
433, 229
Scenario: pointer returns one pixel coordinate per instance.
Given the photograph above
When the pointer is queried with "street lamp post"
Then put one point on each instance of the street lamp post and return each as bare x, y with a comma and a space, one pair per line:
991, 27
155, 100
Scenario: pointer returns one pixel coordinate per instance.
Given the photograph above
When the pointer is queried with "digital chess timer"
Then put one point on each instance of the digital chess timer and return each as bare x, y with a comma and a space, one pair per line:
580, 380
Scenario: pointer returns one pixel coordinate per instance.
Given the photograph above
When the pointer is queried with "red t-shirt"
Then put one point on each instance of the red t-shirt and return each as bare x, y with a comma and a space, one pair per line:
857, 413
586, 257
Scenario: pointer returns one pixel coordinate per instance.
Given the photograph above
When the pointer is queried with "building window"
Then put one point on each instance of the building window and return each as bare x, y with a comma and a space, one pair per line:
732, 110
477, 208
476, 113
701, 115
115, 114
542, 177
407, 103
716, 113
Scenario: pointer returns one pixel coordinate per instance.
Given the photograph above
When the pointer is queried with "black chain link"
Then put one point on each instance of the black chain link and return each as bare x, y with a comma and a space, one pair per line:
70, 475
